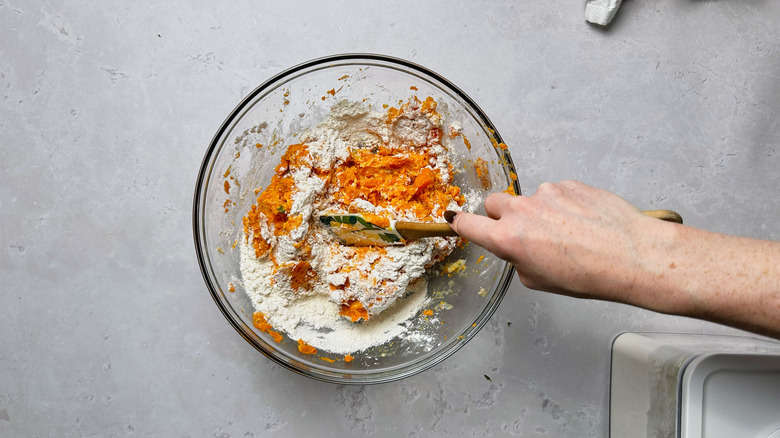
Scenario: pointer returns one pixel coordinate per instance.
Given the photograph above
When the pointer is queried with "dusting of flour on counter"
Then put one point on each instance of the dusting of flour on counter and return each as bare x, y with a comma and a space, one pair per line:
384, 166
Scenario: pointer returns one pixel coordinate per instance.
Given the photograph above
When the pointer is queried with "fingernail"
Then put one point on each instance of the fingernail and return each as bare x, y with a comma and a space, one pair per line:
449, 216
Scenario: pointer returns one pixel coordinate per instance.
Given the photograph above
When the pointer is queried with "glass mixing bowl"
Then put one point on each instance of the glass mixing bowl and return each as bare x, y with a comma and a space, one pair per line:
272, 116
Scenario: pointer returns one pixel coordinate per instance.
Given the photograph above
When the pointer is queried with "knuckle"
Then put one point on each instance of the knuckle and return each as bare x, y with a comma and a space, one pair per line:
545, 187
492, 200
552, 189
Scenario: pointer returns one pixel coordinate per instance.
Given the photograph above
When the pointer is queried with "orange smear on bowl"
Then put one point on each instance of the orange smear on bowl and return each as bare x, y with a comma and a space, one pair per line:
260, 323
481, 168
305, 348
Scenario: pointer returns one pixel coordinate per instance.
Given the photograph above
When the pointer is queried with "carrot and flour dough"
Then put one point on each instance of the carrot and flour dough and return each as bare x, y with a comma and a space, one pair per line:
382, 164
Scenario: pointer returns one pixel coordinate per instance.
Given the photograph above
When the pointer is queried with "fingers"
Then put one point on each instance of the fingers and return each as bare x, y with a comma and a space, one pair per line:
496, 204
509, 219
476, 228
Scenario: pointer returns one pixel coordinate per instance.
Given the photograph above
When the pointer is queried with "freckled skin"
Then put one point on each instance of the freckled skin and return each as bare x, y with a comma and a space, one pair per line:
576, 240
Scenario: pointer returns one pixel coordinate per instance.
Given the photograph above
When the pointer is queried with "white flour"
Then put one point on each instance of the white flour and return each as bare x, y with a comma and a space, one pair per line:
315, 318
388, 282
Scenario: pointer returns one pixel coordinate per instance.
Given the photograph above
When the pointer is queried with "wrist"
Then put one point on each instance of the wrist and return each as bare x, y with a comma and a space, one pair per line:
658, 282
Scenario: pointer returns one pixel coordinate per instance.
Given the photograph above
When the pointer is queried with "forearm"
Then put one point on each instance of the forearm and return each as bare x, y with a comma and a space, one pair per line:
721, 278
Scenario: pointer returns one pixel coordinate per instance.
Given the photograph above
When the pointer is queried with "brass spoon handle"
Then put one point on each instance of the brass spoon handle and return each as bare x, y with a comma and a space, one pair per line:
419, 230
665, 215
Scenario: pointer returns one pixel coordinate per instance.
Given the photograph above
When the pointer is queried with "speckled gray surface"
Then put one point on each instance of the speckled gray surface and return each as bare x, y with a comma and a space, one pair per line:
107, 108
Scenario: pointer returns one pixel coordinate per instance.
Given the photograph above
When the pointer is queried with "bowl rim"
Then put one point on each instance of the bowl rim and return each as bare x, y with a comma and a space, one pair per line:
359, 378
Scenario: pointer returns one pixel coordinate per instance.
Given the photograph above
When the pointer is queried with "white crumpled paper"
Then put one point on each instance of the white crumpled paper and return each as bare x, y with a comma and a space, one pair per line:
601, 11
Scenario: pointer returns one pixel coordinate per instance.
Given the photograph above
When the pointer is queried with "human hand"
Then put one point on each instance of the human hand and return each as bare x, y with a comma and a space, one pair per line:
567, 238
577, 240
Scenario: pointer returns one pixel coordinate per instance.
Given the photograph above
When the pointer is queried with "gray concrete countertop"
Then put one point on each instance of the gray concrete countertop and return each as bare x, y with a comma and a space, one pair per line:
106, 109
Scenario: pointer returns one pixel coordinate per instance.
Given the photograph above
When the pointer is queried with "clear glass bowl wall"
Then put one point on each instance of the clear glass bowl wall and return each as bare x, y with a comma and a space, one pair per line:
273, 115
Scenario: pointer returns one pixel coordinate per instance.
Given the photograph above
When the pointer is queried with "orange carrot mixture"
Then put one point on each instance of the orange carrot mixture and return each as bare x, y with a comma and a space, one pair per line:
388, 176
259, 321
305, 348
